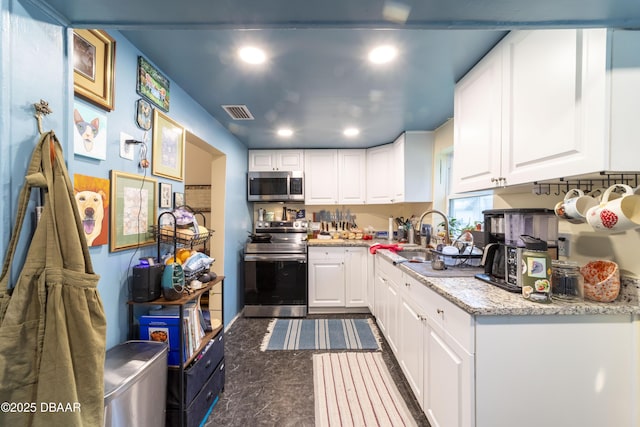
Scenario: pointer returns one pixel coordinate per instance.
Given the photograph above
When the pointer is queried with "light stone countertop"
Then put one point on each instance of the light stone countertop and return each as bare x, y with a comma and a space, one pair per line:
482, 299
350, 243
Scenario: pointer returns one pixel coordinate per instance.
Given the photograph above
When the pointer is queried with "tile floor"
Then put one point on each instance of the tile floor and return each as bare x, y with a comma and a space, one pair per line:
275, 388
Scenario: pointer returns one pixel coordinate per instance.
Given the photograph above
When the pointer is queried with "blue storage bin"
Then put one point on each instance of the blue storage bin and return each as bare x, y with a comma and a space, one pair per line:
164, 329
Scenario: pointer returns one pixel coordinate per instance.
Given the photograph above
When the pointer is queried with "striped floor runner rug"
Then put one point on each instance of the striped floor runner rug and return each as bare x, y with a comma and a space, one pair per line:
320, 334
356, 389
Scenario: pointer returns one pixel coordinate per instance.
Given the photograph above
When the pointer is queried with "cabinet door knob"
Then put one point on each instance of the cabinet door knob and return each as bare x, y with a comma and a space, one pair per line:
440, 311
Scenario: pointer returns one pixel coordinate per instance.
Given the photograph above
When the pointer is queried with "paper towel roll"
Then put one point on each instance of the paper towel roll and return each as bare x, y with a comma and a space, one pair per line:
390, 228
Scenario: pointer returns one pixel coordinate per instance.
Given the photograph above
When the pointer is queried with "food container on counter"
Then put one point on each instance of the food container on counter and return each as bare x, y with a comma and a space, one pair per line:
567, 283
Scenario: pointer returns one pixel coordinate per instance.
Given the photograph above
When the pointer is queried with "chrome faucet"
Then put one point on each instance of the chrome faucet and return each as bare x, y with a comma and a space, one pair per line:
447, 239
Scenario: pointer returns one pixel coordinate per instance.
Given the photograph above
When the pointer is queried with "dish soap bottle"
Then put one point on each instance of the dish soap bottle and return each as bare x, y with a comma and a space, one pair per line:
536, 270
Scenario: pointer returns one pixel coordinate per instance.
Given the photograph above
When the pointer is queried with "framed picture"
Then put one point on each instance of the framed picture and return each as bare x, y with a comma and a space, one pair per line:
152, 85
165, 195
198, 197
133, 210
92, 199
90, 136
167, 155
143, 114
178, 200
94, 53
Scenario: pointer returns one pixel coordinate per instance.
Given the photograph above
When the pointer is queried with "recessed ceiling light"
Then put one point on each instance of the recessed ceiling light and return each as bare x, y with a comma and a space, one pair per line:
382, 54
351, 132
285, 132
252, 55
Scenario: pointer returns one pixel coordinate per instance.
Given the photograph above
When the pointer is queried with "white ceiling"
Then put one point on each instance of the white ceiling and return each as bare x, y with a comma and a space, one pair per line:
317, 79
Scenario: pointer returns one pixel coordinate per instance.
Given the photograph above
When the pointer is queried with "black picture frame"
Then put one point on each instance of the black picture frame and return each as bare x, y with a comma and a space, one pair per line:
152, 85
164, 195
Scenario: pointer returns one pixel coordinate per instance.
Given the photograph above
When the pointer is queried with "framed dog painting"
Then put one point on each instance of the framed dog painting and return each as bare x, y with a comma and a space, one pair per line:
92, 199
90, 135
94, 53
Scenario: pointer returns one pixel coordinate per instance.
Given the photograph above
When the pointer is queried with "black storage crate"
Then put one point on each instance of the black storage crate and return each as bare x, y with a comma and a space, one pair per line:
195, 375
201, 406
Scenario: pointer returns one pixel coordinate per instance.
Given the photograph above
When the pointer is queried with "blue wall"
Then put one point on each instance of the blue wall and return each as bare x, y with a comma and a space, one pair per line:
35, 65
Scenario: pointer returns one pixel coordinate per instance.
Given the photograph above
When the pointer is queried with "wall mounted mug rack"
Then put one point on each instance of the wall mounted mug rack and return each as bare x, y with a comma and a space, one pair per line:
587, 185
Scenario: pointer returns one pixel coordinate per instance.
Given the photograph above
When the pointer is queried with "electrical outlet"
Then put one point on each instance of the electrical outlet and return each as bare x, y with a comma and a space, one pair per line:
564, 243
126, 150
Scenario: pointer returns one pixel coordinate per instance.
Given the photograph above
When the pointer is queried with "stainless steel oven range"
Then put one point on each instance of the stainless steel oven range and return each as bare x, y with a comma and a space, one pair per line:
275, 270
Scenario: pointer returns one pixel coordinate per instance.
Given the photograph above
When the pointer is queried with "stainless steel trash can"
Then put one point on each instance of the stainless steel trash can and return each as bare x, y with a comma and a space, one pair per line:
135, 383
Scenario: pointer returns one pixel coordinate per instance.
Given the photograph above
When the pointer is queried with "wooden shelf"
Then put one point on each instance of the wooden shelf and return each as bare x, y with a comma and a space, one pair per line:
205, 340
185, 298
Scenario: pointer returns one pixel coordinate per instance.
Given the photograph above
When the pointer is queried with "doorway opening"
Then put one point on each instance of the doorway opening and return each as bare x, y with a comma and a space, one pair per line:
206, 166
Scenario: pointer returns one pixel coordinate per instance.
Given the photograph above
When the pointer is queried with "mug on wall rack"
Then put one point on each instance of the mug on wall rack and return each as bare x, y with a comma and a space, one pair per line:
597, 194
574, 207
616, 215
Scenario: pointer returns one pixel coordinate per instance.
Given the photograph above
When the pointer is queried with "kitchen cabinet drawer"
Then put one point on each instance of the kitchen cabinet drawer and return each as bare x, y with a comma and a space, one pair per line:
455, 321
386, 267
390, 271
325, 253
197, 374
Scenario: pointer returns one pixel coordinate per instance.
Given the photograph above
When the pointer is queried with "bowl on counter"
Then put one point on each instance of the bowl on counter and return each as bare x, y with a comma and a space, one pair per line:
601, 280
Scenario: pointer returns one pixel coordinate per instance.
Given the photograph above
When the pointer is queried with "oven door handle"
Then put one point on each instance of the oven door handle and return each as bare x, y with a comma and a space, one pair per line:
276, 257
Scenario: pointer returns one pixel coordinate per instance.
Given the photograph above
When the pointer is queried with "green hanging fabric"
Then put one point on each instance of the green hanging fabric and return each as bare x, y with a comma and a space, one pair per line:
52, 323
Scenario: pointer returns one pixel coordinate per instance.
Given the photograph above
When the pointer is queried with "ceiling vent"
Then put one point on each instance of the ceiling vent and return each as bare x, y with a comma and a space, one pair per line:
238, 112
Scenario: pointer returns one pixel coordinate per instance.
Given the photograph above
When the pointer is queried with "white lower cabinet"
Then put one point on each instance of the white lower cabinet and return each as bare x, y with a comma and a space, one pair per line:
448, 380
503, 370
379, 300
355, 262
337, 277
326, 278
433, 343
392, 304
412, 345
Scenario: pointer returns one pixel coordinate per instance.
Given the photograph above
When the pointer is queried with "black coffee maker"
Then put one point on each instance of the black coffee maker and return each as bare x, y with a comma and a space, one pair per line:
503, 244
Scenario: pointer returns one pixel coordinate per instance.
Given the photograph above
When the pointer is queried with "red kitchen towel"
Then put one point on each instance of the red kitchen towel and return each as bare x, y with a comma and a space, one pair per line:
394, 247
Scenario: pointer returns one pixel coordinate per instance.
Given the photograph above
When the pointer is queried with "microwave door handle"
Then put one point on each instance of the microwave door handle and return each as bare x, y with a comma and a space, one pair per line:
288, 190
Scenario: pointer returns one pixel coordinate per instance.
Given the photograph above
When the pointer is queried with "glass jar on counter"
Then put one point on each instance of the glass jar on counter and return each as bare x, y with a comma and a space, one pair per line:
566, 281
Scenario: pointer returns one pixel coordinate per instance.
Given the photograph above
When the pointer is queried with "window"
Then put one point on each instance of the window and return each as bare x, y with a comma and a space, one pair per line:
468, 209
465, 208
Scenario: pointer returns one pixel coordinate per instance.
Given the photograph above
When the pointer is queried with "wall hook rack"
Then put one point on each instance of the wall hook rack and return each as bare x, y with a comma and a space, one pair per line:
42, 109
587, 185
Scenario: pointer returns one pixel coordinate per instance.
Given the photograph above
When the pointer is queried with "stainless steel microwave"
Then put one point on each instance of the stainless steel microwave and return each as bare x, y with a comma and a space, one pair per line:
275, 186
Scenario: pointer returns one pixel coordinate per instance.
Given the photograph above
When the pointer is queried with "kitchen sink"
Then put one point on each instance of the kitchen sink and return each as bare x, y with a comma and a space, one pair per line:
415, 254
419, 260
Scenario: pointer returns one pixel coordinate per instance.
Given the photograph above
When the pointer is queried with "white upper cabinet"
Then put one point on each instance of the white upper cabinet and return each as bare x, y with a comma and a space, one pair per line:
624, 74
335, 176
380, 183
352, 177
478, 125
551, 75
321, 177
536, 107
276, 160
413, 171
401, 171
